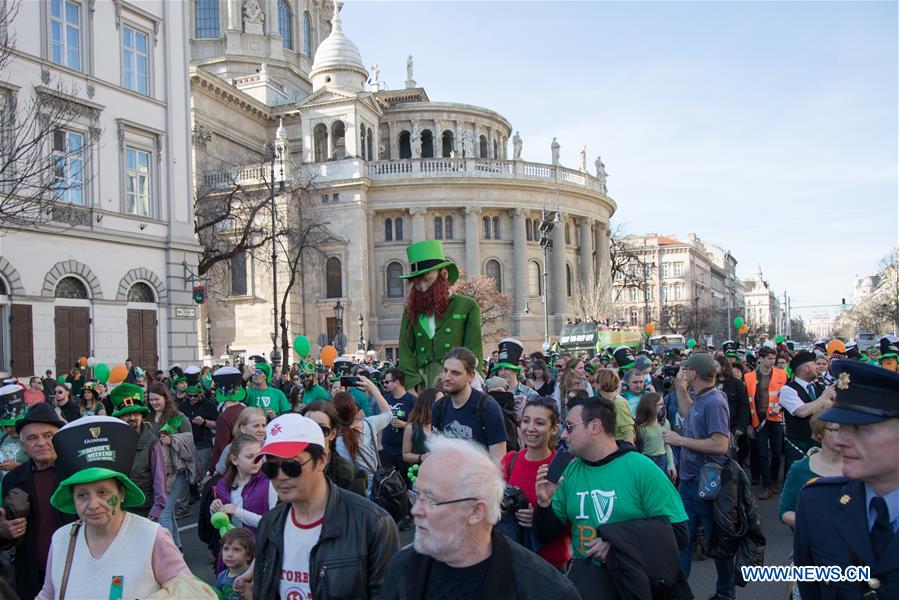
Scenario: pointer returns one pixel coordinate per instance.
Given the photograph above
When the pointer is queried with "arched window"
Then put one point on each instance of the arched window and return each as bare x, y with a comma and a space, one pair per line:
206, 17
398, 229
427, 144
528, 231
405, 144
568, 281
448, 228
536, 225
496, 235
371, 143
483, 146
495, 149
239, 274
2, 287
333, 278
362, 142
486, 223
320, 143
141, 292
567, 235
535, 283
388, 230
285, 24
338, 140
494, 272
71, 287
438, 228
394, 283
447, 143
307, 34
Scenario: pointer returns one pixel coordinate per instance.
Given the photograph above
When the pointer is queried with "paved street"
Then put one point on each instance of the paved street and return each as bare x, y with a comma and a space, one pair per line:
702, 581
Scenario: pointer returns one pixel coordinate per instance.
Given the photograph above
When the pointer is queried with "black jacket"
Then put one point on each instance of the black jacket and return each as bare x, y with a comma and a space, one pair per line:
737, 402
357, 541
29, 578
514, 573
737, 532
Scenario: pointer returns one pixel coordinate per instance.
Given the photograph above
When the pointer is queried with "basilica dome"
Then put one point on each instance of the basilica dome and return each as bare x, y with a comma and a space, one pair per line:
338, 62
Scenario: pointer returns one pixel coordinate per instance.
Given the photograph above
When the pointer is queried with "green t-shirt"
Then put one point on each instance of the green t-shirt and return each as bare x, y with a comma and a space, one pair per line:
270, 397
361, 400
627, 487
314, 394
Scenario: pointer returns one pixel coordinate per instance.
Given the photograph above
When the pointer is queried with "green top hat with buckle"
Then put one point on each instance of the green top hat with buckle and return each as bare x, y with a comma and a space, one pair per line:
510, 351
127, 398
427, 256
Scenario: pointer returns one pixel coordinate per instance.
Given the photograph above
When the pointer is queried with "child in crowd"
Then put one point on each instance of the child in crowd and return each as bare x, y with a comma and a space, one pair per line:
238, 549
651, 421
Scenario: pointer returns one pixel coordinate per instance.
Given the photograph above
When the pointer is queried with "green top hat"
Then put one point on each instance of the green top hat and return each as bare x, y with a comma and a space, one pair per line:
192, 375
427, 256
12, 404
510, 351
127, 398
93, 449
229, 385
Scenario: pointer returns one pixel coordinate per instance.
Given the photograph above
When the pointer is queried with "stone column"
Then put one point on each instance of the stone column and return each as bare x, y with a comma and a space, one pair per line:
472, 241
476, 133
418, 223
519, 260
558, 292
586, 262
601, 236
393, 142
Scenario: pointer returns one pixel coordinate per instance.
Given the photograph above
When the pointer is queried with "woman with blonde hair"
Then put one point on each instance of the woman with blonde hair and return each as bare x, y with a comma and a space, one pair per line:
610, 387
251, 422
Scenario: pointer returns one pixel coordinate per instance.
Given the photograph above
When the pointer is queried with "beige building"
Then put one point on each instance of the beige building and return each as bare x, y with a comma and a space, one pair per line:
389, 167
103, 274
763, 310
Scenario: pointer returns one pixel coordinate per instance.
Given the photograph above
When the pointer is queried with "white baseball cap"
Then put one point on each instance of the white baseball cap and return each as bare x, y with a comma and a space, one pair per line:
288, 435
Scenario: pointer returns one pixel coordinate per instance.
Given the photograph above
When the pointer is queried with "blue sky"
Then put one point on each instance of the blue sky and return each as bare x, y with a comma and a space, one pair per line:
768, 128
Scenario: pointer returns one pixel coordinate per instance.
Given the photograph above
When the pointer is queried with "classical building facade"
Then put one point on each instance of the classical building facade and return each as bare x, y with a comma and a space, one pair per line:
389, 167
764, 313
104, 274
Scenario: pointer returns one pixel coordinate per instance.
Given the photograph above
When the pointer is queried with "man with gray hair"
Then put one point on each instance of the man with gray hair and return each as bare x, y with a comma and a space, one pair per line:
456, 552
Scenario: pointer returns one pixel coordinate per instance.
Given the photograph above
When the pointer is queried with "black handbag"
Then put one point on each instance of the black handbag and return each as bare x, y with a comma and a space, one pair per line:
388, 488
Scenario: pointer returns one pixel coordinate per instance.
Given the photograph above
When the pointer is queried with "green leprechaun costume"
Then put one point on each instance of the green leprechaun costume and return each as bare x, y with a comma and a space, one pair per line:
435, 320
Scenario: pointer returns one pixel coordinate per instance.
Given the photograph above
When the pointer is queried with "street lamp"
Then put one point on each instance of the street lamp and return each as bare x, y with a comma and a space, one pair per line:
546, 227
338, 339
208, 336
275, 154
360, 321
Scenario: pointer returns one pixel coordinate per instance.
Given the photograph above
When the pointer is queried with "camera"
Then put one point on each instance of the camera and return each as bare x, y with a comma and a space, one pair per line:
513, 500
349, 382
669, 372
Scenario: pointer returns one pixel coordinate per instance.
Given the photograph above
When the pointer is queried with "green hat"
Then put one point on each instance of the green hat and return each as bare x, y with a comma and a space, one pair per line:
127, 398
12, 404
266, 368
427, 256
510, 351
192, 376
93, 449
229, 385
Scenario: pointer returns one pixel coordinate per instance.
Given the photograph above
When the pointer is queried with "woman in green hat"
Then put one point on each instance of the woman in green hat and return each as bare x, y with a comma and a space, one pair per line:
109, 552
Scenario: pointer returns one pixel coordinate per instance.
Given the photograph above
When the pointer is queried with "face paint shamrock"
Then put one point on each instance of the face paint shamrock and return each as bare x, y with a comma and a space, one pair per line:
113, 502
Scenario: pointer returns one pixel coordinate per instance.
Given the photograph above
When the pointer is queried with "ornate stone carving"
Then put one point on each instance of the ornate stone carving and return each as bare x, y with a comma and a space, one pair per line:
601, 174
91, 90
121, 134
118, 13
472, 210
71, 215
158, 148
516, 146
155, 33
582, 159
201, 135
45, 76
554, 148
468, 143
253, 17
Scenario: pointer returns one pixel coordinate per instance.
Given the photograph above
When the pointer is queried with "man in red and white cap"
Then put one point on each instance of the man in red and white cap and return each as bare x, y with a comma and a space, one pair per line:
351, 535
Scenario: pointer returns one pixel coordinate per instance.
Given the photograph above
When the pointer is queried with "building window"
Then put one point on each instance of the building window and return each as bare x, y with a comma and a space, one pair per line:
335, 197
535, 284
141, 292
239, 274
664, 293
71, 287
285, 24
528, 231
362, 143
405, 144
320, 142
678, 292
398, 229
664, 269
568, 281
483, 146
137, 178
632, 294
207, 18
438, 228
68, 166
448, 227
136, 60
388, 230
496, 231
338, 140
447, 143
65, 33
486, 223
307, 34
427, 144
494, 272
678, 269
333, 278
536, 225
633, 316
394, 283
567, 235
371, 145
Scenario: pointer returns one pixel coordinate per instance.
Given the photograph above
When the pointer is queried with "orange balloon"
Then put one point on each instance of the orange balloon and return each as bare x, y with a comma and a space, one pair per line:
836, 346
83, 362
650, 328
118, 374
744, 329
328, 354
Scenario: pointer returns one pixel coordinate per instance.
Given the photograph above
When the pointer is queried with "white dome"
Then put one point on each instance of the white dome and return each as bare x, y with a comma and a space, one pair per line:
337, 51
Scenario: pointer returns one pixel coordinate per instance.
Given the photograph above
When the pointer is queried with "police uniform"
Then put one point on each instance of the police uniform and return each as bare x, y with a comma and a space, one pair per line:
841, 522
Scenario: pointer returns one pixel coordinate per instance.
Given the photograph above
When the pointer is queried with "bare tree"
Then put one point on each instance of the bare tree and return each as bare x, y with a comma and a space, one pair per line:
595, 302
878, 311
45, 144
627, 266
495, 305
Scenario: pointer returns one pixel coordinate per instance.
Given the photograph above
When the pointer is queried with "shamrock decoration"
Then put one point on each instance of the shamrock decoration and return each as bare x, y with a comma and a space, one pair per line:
843, 381
413, 473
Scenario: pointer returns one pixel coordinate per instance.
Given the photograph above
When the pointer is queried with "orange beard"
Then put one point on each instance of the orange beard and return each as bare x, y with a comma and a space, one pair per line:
434, 301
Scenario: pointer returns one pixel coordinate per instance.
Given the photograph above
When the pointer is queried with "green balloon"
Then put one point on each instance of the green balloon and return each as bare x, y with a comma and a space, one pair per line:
691, 343
61, 379
738, 322
101, 372
779, 339
302, 346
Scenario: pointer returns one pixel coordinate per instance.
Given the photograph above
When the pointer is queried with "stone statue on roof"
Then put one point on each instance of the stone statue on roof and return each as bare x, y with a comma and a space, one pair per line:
516, 146
554, 148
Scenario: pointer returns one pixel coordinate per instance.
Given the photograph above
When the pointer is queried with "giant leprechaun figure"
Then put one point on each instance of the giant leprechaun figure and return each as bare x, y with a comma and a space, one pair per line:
435, 319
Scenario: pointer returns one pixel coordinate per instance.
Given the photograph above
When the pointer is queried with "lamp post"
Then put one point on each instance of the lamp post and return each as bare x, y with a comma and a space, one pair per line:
360, 321
338, 338
275, 154
546, 227
208, 336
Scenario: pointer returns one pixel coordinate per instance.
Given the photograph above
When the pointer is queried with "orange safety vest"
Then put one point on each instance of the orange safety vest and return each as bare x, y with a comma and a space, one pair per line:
778, 380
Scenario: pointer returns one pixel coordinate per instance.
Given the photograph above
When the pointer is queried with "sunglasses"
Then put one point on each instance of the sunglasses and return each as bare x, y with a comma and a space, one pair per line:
291, 468
326, 431
258, 372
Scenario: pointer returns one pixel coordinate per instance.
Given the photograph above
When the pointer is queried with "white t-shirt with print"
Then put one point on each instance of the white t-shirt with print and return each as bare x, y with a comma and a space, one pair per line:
298, 542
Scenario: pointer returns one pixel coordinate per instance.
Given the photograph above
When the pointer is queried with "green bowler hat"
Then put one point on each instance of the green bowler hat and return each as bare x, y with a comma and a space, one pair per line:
93, 449
127, 398
427, 256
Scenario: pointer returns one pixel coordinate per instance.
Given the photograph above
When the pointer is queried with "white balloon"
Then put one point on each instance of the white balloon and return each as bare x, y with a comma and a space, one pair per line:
91, 361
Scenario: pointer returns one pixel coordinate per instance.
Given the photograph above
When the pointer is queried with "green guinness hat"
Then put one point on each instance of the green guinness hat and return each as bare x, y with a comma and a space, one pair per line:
427, 256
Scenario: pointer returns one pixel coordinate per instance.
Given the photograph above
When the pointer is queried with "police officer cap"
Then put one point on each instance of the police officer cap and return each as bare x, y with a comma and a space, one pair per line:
866, 394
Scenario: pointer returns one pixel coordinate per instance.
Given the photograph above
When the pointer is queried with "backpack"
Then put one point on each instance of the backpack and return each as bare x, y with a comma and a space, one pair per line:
388, 488
480, 410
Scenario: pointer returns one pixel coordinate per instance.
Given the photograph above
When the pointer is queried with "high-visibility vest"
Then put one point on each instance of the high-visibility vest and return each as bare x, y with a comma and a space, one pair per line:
778, 380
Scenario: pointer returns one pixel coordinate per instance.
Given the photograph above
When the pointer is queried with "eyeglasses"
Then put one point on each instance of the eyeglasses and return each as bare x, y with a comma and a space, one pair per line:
326, 431
430, 504
58, 392
291, 468
389, 380
567, 426
258, 372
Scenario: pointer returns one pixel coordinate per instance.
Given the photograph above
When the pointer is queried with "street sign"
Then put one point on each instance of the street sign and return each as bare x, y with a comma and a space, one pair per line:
546, 346
321, 340
340, 341
199, 294
185, 312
